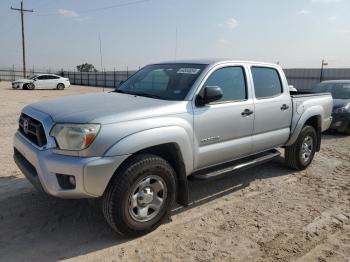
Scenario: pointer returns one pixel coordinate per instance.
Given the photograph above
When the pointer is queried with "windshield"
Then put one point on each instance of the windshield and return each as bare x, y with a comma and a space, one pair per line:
163, 81
338, 90
32, 77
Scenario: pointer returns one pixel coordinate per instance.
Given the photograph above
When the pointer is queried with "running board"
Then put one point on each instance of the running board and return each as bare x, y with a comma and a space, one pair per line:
225, 169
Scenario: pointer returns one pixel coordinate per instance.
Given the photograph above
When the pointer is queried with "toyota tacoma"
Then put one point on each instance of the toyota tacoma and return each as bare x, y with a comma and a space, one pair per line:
136, 147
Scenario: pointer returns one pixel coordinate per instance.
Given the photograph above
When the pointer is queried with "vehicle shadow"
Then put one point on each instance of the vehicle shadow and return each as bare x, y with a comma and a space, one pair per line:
204, 191
42, 228
41, 89
333, 134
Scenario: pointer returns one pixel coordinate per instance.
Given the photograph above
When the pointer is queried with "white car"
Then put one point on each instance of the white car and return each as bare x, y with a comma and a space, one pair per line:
42, 81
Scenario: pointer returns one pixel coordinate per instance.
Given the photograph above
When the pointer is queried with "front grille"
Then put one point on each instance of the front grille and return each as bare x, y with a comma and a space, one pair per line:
32, 129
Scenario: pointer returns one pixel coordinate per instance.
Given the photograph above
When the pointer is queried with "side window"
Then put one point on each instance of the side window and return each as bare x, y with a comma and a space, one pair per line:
48, 77
43, 77
232, 82
267, 82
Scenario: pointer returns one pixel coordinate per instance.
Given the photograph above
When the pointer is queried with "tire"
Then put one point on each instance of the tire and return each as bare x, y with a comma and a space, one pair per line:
300, 155
347, 130
143, 177
30, 86
60, 86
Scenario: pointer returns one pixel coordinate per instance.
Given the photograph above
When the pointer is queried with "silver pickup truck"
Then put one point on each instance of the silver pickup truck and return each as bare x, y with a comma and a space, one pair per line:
135, 147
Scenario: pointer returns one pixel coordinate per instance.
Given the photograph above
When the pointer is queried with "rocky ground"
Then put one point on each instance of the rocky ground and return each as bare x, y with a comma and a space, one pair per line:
266, 213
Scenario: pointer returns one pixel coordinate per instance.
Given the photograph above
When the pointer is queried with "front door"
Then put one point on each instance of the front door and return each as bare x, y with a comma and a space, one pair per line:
222, 131
41, 82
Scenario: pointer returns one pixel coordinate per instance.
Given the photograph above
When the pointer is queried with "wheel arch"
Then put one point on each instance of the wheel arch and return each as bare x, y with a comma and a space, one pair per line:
314, 120
171, 143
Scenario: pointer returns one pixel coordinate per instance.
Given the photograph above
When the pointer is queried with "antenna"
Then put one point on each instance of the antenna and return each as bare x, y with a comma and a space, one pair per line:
99, 38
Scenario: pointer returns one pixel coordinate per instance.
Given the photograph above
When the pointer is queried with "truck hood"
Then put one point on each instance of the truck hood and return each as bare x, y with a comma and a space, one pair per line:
107, 108
337, 103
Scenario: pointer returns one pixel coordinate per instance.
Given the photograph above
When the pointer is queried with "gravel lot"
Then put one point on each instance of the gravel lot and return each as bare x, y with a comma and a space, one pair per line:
267, 213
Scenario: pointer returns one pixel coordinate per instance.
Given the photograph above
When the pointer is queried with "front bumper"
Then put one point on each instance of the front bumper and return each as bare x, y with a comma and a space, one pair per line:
40, 166
17, 85
340, 121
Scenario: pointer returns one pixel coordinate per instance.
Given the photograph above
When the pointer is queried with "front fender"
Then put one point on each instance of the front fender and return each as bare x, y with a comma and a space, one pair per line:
154, 137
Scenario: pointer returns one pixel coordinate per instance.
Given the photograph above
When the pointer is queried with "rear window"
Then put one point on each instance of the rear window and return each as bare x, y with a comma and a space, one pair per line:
267, 82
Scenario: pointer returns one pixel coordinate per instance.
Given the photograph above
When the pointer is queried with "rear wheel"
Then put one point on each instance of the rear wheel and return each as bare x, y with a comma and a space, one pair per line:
300, 155
140, 195
60, 86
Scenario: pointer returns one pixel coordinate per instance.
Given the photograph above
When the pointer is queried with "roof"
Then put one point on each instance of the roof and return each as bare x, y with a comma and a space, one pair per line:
211, 61
347, 81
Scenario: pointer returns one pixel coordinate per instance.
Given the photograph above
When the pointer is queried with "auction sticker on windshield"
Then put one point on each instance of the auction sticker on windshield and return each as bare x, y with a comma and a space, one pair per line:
192, 71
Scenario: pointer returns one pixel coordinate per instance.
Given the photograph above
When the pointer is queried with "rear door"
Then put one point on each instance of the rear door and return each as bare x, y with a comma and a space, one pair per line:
52, 81
273, 108
221, 132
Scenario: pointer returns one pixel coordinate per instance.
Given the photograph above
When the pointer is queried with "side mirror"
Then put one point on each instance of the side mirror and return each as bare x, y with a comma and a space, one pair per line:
209, 94
35, 79
292, 88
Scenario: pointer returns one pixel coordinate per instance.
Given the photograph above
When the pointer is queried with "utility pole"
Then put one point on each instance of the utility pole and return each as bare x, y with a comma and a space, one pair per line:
23, 45
324, 63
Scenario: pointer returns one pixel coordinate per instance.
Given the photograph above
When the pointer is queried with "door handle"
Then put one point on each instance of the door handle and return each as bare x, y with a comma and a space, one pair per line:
284, 107
247, 112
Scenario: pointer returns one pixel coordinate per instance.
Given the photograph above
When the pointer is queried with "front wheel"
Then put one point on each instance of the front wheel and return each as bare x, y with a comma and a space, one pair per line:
30, 86
300, 155
140, 195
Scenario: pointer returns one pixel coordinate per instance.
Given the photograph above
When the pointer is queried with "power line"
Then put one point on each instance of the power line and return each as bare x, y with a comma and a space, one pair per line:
23, 44
101, 8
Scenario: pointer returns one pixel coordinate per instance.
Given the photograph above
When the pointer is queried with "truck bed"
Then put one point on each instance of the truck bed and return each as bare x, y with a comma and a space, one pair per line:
305, 101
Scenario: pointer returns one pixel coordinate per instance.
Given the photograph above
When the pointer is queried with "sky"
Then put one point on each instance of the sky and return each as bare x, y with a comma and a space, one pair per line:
65, 33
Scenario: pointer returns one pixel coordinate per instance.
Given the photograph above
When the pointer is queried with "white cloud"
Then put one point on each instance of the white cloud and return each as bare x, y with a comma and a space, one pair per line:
344, 31
325, 1
332, 18
222, 41
304, 12
231, 23
68, 13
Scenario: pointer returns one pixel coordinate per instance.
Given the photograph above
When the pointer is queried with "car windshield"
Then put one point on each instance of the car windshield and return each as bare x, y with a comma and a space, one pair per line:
163, 81
338, 90
32, 77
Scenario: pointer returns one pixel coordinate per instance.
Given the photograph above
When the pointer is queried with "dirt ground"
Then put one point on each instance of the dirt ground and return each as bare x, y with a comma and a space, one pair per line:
266, 213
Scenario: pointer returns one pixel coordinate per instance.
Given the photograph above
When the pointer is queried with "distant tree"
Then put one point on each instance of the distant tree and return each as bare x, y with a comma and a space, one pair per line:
86, 68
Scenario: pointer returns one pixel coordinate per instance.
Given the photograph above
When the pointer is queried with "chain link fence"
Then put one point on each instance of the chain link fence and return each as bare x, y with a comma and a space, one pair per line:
300, 78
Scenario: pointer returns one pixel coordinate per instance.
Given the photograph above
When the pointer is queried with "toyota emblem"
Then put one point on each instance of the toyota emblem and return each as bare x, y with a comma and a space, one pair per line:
25, 126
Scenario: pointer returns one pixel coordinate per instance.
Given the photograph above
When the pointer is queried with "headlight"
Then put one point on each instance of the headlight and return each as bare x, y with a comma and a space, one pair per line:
343, 109
74, 136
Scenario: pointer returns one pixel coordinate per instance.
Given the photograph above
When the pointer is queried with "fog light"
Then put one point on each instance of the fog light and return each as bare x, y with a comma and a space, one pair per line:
72, 180
66, 181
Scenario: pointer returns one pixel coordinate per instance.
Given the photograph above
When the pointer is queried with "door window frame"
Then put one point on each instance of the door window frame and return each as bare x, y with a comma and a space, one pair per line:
253, 84
213, 70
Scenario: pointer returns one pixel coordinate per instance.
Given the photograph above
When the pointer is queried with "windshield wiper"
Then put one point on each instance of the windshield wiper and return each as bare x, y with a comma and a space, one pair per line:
120, 91
137, 94
145, 95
